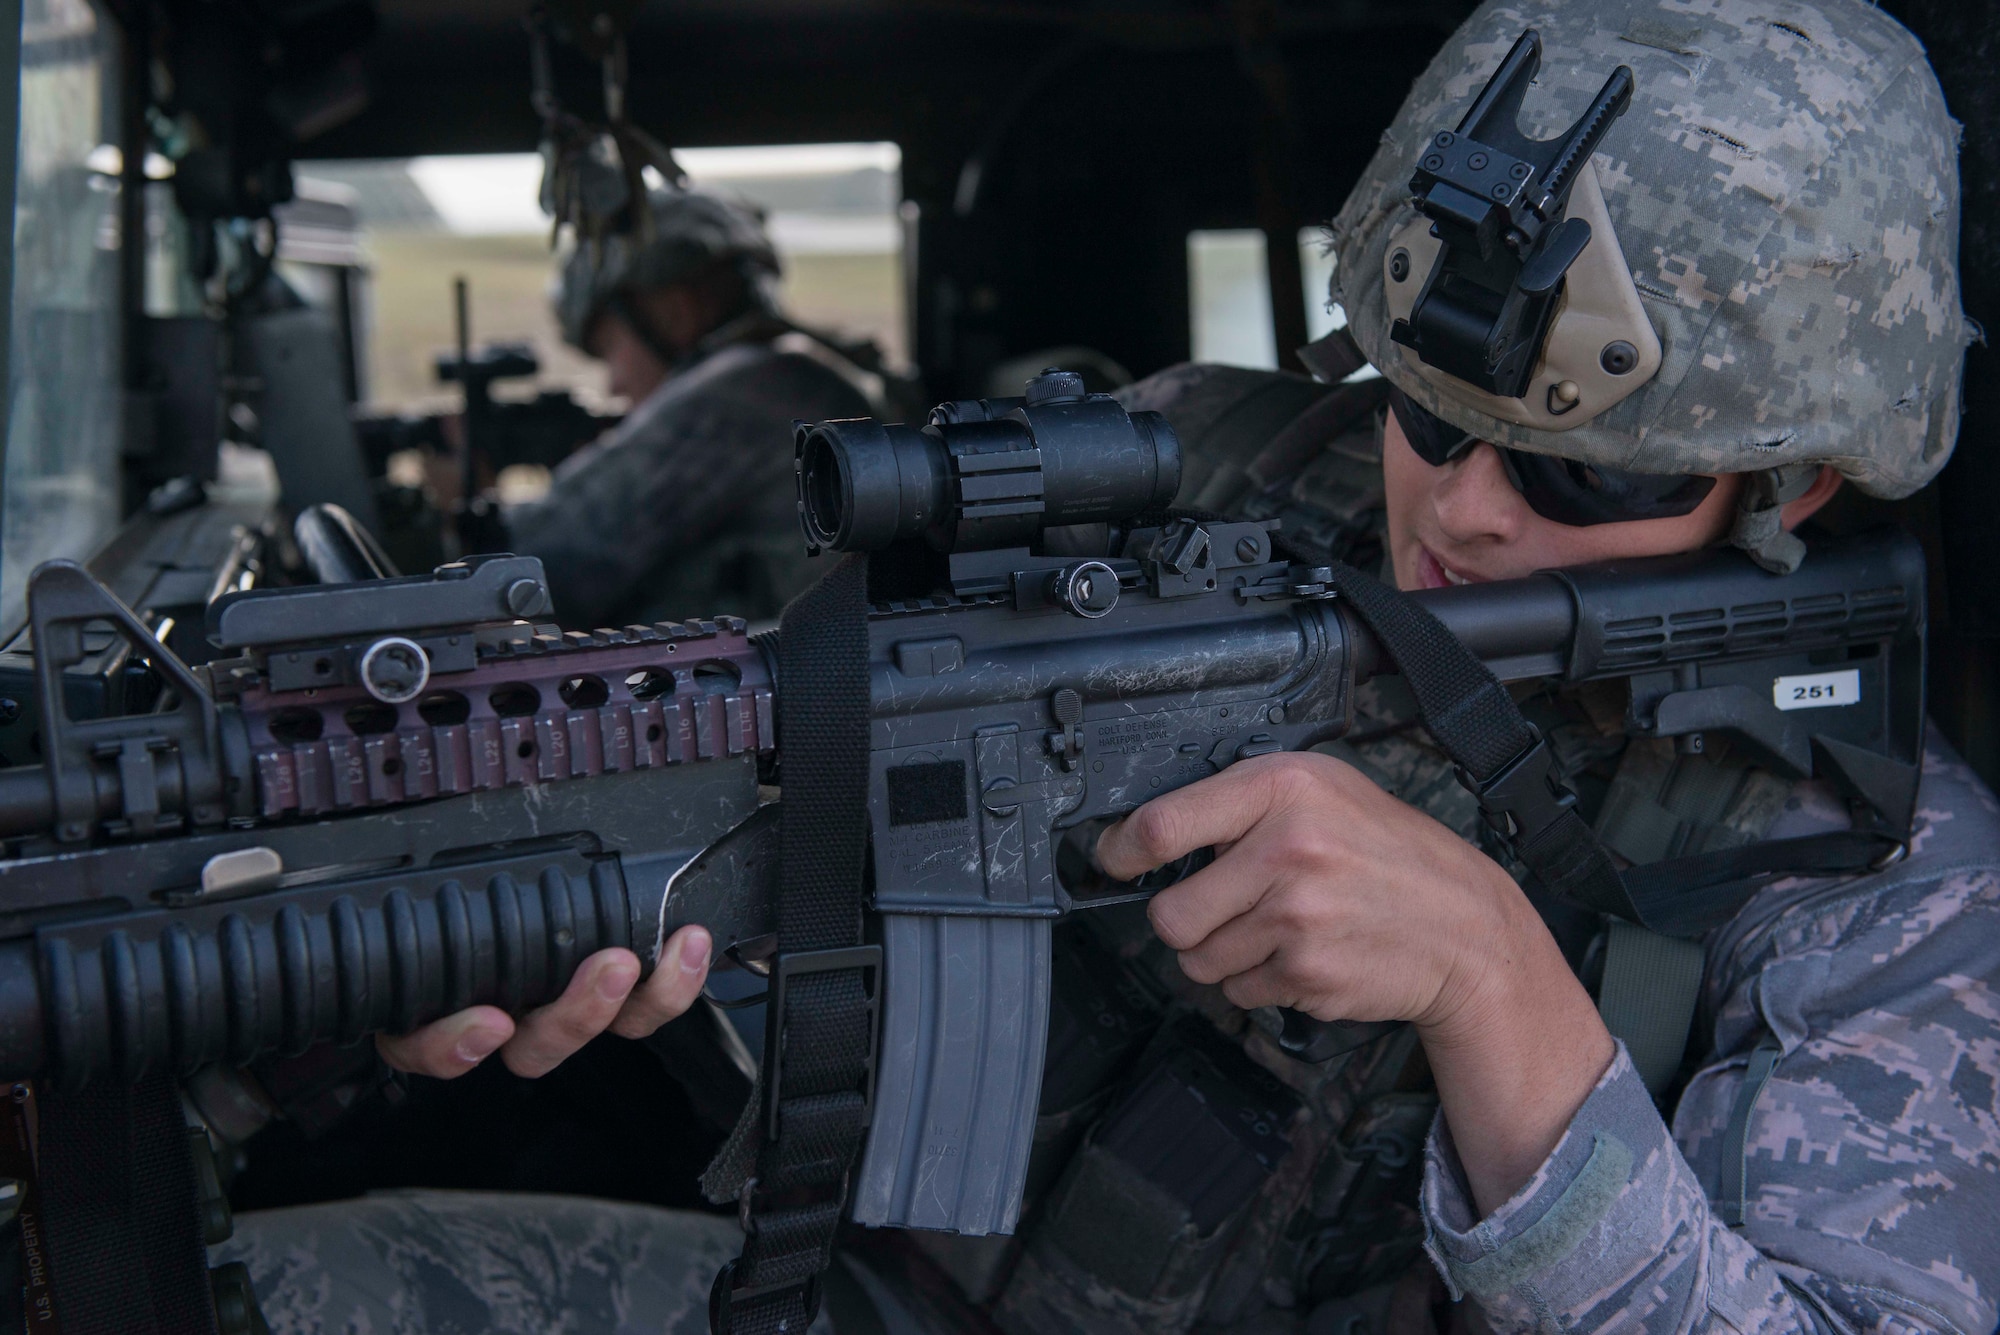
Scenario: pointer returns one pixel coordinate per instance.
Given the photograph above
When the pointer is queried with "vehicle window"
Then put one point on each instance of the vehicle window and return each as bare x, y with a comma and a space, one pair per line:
61, 480
832, 212
1316, 271
1229, 295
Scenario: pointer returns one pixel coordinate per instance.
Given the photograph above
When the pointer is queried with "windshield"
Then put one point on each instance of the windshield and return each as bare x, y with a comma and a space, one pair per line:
831, 210
61, 480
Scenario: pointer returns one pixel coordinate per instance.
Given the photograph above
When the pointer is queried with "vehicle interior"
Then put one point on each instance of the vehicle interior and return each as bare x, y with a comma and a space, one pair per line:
216, 323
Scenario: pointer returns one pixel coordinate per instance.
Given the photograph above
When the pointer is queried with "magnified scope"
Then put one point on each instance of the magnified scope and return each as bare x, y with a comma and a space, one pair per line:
985, 473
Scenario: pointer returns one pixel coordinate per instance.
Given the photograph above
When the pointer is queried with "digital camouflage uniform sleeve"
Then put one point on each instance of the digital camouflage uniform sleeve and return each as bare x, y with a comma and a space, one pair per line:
697, 476
1870, 1164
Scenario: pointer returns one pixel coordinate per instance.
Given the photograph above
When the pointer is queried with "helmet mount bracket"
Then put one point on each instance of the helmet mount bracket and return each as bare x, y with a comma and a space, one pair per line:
1600, 346
1498, 202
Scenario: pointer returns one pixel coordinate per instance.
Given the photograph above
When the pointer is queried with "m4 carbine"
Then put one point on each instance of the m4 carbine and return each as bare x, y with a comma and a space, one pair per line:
397, 798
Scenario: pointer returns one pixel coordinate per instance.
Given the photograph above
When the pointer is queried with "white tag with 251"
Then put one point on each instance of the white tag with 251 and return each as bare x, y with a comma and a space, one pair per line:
1817, 690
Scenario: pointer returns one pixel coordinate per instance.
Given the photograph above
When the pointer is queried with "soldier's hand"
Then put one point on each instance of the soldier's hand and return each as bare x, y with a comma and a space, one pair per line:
1330, 896
604, 993
1327, 894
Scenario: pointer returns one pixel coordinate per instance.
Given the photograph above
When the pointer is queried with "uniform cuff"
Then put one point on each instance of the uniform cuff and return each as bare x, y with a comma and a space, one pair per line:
1522, 1247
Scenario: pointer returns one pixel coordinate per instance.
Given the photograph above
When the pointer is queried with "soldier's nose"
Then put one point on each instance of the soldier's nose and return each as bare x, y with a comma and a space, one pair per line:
1474, 502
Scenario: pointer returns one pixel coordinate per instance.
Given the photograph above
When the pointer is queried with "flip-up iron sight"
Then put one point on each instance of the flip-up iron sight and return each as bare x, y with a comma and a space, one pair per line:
983, 481
1497, 200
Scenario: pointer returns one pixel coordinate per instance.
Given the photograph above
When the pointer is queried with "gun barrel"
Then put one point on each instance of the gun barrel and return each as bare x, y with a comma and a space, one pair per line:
376, 923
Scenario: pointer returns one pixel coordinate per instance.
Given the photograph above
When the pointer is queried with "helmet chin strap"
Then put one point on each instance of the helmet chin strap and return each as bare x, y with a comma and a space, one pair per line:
1760, 509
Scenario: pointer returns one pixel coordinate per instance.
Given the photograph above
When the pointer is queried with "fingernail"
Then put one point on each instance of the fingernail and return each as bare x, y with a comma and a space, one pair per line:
613, 982
477, 1045
694, 952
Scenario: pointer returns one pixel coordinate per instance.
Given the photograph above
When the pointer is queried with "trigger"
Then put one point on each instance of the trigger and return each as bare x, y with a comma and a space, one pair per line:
1230, 750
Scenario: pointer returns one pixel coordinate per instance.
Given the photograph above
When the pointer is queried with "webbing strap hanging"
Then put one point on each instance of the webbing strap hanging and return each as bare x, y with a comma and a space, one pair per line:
1651, 984
121, 1225
787, 1161
1507, 765
1733, 1189
1651, 981
1501, 758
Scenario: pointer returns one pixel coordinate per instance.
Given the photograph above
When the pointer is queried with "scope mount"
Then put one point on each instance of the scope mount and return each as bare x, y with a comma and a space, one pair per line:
1183, 558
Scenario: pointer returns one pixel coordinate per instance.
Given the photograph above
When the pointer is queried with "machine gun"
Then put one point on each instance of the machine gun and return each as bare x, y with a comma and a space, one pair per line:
491, 434
396, 798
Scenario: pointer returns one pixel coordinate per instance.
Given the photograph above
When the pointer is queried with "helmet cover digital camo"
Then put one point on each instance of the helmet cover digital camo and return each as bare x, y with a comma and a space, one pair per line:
1784, 192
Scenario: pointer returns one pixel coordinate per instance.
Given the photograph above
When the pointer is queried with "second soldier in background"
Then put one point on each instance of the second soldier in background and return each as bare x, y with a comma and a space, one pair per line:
685, 508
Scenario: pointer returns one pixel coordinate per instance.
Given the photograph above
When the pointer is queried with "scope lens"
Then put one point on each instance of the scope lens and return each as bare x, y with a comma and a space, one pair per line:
827, 491
863, 485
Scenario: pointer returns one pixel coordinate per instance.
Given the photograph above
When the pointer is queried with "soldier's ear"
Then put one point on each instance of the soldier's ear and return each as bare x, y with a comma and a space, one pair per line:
1798, 511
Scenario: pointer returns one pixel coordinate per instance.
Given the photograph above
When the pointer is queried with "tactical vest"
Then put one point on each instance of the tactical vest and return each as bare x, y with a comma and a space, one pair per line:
1189, 1169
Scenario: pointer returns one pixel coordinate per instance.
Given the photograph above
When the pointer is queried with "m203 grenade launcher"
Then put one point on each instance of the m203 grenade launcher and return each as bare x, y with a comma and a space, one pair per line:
391, 799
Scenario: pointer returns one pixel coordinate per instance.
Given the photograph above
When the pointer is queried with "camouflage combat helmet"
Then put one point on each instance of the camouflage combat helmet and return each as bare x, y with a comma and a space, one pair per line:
691, 230
1783, 192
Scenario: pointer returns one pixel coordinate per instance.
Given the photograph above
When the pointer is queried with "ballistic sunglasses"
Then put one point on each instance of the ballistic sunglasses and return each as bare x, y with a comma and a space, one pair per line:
1562, 490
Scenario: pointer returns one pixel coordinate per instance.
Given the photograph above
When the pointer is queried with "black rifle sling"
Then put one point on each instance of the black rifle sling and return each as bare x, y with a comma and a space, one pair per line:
1687, 896
807, 1121
1500, 756
121, 1224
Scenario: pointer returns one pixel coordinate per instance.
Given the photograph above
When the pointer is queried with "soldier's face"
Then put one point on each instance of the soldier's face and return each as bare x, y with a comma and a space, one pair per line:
1464, 522
634, 372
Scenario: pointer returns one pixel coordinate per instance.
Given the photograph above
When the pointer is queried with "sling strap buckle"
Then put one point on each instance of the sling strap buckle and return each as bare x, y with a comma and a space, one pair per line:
788, 965
724, 1295
1525, 796
748, 1206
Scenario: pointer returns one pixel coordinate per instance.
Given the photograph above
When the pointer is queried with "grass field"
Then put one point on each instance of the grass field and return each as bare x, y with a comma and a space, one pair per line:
411, 321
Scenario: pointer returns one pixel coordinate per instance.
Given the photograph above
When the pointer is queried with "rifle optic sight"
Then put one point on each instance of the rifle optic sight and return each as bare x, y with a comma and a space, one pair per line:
985, 473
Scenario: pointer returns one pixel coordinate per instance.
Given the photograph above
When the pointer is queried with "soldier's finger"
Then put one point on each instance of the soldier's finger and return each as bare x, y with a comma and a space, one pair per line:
1216, 810
1265, 985
548, 1035
449, 1047
1187, 912
1237, 946
675, 983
